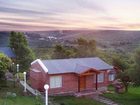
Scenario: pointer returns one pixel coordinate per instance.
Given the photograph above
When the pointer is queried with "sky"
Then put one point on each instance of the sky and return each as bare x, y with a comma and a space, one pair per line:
42, 15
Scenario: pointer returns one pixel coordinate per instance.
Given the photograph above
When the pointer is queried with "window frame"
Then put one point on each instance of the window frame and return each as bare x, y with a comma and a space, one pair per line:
111, 77
98, 76
55, 81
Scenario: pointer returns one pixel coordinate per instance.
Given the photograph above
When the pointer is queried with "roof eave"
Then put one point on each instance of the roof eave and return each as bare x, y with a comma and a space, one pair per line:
41, 64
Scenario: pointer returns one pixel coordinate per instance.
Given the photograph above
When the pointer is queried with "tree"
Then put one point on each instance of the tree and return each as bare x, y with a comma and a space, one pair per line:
59, 51
122, 72
86, 48
136, 71
63, 52
4, 64
92, 45
24, 55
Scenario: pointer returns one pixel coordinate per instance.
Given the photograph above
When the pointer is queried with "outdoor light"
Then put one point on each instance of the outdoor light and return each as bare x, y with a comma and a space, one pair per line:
46, 87
17, 67
17, 70
12, 67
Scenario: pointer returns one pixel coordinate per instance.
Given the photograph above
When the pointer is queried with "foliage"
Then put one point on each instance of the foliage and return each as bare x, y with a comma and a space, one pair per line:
121, 69
17, 38
135, 72
86, 48
63, 52
4, 64
24, 55
43, 53
105, 55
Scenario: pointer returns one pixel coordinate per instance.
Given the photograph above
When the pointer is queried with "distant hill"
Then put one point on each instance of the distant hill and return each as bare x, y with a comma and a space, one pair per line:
101, 35
106, 39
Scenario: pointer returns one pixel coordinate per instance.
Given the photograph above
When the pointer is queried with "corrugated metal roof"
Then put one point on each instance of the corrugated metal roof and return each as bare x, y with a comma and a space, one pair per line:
7, 51
75, 65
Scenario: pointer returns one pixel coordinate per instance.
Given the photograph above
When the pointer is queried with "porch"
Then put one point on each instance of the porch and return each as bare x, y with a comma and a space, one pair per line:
88, 81
86, 93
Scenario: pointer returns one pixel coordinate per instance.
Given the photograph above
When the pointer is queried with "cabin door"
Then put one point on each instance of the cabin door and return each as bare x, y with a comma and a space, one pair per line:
82, 83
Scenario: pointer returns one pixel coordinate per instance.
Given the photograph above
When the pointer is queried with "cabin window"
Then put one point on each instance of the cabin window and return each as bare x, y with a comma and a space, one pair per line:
55, 81
111, 77
101, 77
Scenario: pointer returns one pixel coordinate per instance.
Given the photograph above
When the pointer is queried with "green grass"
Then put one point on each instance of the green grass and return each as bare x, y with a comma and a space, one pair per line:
29, 100
132, 97
69, 100
20, 99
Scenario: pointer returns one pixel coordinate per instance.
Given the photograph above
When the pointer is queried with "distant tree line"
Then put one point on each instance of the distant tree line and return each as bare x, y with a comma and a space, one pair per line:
83, 48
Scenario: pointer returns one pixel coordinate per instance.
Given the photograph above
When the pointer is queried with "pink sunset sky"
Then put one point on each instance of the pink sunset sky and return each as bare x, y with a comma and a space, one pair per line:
40, 15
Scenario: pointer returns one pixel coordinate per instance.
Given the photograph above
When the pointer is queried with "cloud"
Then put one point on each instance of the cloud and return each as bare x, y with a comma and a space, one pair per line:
51, 6
109, 18
61, 14
17, 19
111, 27
89, 4
54, 25
131, 25
120, 26
19, 11
13, 26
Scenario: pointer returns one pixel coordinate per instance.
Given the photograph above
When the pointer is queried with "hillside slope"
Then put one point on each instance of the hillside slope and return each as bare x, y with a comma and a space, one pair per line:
106, 39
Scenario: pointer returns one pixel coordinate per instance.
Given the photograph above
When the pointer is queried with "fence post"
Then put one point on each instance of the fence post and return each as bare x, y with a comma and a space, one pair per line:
46, 87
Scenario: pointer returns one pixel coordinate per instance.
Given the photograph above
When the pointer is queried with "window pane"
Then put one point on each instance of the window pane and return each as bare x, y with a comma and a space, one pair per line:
55, 81
52, 82
111, 77
101, 77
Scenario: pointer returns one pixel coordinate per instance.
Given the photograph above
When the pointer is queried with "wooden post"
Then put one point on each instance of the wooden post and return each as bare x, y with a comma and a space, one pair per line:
24, 81
96, 81
78, 83
46, 87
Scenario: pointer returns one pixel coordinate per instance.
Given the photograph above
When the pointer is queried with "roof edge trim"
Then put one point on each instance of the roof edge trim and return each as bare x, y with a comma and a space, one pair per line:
41, 64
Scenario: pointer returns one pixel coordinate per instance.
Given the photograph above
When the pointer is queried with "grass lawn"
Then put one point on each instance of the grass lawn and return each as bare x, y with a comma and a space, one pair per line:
19, 99
30, 100
69, 100
132, 97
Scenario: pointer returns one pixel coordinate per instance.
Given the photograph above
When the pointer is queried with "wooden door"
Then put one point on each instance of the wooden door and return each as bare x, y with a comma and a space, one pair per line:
82, 83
